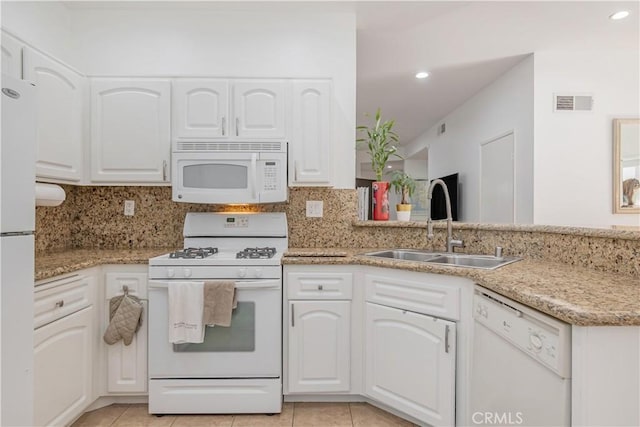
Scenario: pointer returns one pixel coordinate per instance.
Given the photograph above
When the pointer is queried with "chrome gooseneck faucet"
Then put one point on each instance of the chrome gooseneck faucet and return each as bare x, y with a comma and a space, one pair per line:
451, 242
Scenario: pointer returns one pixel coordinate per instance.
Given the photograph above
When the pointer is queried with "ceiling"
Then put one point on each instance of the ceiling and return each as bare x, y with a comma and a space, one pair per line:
464, 45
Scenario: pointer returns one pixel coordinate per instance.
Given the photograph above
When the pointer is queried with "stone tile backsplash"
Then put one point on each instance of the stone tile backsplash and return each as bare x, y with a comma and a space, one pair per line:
92, 217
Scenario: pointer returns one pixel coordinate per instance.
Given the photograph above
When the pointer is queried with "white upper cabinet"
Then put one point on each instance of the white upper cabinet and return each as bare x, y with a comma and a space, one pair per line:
130, 130
259, 109
201, 108
11, 56
311, 132
59, 92
229, 109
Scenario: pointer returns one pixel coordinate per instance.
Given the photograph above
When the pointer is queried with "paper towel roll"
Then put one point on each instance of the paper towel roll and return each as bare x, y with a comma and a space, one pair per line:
49, 194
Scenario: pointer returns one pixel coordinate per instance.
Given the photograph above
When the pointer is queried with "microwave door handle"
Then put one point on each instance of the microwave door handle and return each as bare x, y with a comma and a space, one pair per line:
254, 175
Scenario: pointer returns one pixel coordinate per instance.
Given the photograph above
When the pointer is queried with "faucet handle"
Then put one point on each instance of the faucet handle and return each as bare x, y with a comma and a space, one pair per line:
498, 252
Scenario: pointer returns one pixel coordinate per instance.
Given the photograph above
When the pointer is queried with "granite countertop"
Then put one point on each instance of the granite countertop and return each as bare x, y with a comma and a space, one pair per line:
70, 260
573, 294
576, 295
628, 232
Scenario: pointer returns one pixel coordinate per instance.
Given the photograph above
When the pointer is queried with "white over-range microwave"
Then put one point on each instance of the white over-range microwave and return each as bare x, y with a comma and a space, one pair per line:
229, 172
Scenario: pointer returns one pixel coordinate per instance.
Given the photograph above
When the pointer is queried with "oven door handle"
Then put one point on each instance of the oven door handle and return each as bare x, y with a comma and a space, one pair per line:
244, 285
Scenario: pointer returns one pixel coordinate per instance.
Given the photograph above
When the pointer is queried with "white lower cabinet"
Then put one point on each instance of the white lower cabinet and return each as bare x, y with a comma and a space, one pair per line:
127, 364
319, 346
63, 368
73, 366
318, 330
389, 335
410, 361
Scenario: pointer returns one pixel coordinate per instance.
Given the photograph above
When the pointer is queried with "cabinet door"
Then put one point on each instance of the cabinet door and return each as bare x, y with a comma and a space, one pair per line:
11, 56
130, 130
63, 368
127, 364
319, 346
134, 282
311, 137
201, 108
59, 115
410, 363
259, 109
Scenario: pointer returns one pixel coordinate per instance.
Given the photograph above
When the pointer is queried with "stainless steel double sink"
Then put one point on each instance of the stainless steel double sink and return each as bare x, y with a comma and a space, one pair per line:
486, 262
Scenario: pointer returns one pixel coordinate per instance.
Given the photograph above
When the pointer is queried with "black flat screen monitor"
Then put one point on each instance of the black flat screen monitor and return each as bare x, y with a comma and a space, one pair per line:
438, 203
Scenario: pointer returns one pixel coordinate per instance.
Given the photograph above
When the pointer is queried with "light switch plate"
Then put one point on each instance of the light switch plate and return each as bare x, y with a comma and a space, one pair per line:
314, 208
129, 207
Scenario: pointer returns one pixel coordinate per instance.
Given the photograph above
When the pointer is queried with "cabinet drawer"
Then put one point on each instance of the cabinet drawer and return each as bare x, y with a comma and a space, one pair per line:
432, 296
60, 298
136, 283
317, 285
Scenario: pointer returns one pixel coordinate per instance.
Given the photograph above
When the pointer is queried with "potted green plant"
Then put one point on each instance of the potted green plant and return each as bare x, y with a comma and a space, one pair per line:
405, 185
380, 140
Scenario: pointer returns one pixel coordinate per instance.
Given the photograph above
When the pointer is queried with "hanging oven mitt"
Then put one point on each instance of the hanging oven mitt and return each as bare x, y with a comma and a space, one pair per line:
125, 315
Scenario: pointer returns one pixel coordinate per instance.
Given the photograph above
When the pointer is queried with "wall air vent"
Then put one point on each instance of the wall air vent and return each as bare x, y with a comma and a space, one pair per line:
442, 128
572, 102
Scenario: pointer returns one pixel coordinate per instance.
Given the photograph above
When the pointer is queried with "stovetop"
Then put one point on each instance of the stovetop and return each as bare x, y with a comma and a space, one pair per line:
256, 253
191, 257
229, 239
193, 253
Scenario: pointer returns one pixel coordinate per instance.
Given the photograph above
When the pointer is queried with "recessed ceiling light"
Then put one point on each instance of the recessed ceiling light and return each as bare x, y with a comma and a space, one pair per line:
619, 15
422, 75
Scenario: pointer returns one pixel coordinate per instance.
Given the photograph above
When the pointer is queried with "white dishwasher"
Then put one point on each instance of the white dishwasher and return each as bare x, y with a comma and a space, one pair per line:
521, 365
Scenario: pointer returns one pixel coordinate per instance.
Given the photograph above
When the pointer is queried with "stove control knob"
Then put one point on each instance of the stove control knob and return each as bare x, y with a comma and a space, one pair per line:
258, 272
187, 272
171, 272
242, 272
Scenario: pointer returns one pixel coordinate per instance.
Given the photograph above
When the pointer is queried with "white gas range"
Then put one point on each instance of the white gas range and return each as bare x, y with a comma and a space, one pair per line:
236, 369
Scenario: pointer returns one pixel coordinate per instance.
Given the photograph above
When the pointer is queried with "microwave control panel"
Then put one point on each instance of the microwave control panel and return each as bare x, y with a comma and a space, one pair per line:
270, 178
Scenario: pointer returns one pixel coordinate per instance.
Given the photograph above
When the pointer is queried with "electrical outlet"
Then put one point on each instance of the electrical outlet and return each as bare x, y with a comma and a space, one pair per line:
129, 207
314, 208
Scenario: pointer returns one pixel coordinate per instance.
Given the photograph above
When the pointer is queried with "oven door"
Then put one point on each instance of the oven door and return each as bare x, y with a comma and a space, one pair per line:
250, 347
224, 177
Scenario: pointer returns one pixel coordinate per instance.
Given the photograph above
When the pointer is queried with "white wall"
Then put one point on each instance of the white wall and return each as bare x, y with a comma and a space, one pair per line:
573, 150
201, 41
504, 106
46, 25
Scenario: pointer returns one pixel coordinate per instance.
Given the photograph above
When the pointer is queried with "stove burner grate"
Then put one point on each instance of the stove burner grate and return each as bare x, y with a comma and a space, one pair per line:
194, 253
256, 253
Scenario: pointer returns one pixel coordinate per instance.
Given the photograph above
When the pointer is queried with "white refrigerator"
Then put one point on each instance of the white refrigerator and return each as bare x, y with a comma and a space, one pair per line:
17, 219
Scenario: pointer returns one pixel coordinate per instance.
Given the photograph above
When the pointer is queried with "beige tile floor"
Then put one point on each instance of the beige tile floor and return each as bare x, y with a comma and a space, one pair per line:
293, 414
